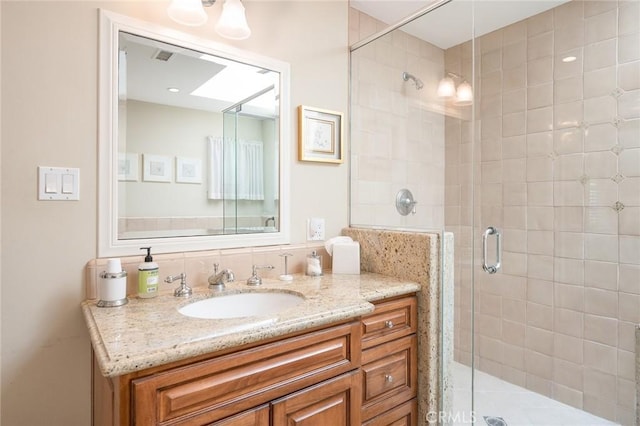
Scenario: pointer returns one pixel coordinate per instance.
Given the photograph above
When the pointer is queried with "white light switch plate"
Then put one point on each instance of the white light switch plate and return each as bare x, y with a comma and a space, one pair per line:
315, 229
58, 183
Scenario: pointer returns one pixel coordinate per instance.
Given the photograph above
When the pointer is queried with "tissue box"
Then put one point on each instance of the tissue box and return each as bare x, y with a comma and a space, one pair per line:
346, 258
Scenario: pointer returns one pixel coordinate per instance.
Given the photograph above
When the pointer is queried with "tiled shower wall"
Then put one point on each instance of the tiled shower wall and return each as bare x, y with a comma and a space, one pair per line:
399, 130
558, 170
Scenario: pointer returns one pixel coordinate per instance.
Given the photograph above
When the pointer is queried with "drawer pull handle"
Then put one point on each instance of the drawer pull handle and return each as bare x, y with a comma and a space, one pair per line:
388, 378
388, 324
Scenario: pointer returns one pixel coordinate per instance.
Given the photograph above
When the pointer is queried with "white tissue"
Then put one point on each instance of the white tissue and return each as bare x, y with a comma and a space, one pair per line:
328, 245
346, 258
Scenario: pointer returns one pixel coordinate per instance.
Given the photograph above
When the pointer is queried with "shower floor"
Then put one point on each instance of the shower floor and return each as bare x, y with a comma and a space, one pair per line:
516, 405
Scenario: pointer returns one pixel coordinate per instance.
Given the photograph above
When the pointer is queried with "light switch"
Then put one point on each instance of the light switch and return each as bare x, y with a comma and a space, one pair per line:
58, 183
67, 183
50, 183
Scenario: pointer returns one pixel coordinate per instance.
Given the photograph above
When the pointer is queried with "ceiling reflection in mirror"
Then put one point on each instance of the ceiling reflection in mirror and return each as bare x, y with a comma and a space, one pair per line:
198, 143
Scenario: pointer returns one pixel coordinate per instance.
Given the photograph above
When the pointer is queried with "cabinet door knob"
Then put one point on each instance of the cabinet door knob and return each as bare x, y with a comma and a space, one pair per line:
388, 378
388, 324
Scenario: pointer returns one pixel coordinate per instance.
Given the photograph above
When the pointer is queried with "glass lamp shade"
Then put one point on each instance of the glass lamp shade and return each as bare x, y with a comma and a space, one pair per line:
233, 22
446, 88
464, 94
187, 12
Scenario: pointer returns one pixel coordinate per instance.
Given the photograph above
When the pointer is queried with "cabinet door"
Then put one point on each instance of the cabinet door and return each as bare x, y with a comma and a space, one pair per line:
335, 402
403, 415
258, 416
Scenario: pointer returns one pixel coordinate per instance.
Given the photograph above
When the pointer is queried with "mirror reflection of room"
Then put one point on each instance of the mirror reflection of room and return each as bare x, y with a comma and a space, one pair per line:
197, 143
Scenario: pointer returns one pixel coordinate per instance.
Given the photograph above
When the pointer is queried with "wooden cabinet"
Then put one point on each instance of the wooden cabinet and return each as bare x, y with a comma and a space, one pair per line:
390, 363
334, 402
402, 415
212, 389
228, 387
259, 416
390, 320
315, 378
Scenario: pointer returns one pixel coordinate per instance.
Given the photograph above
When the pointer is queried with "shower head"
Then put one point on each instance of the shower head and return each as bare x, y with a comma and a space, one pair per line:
406, 77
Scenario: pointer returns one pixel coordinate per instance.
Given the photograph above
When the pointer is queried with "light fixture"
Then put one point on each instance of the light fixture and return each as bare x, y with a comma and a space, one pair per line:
462, 95
187, 12
446, 88
232, 23
173, 89
569, 59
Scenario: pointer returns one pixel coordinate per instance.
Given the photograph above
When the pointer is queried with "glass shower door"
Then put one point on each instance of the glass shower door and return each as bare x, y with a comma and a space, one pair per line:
552, 139
540, 191
230, 171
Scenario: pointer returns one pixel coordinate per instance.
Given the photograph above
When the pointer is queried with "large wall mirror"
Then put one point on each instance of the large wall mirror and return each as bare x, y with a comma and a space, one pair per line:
193, 142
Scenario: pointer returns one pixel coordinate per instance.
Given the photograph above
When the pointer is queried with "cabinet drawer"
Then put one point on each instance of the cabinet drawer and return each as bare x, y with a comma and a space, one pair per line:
390, 320
389, 375
402, 415
220, 387
258, 416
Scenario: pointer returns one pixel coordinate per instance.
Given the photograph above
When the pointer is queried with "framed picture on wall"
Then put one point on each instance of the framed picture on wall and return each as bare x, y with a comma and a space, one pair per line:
156, 168
320, 135
188, 170
128, 167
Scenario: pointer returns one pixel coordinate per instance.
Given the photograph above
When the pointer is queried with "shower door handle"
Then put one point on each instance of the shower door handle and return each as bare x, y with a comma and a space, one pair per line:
492, 269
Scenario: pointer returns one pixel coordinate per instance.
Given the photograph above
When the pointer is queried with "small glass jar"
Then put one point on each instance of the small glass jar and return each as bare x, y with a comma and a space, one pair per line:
314, 264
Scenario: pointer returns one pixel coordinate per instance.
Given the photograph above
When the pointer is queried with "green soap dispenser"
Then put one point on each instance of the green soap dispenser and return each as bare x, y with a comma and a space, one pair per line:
148, 277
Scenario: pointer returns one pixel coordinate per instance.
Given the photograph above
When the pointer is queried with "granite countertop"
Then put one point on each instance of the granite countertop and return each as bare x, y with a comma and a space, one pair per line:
151, 332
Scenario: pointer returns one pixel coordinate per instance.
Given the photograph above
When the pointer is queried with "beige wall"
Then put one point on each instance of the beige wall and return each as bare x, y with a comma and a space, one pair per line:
0, 208
397, 131
49, 110
558, 170
154, 129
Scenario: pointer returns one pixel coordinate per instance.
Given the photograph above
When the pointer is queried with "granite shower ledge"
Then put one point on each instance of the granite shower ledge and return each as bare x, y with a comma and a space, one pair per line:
151, 332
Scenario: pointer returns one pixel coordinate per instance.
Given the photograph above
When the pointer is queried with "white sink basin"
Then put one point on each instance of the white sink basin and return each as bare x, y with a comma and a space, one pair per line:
241, 305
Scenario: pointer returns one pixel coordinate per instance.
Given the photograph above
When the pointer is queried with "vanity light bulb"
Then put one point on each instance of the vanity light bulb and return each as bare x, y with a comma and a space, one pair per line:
233, 22
446, 88
187, 12
464, 94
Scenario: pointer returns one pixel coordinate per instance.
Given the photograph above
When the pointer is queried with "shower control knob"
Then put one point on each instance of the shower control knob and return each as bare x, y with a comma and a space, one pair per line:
405, 203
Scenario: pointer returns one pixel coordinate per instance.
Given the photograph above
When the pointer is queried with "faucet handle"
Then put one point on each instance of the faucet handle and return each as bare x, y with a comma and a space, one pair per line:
184, 290
255, 279
172, 278
215, 268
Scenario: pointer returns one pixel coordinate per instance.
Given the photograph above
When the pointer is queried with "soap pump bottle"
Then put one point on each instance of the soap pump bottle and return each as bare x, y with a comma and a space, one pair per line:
148, 278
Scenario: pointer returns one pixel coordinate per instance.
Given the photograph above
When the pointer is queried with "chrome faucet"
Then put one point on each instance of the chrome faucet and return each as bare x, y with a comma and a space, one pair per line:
217, 280
184, 290
255, 279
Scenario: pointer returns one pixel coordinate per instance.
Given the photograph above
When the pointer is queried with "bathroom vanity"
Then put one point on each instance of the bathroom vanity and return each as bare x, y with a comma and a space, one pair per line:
346, 355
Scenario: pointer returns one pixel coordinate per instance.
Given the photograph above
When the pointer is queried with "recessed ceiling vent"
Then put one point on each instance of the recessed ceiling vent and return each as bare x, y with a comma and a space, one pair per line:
162, 55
